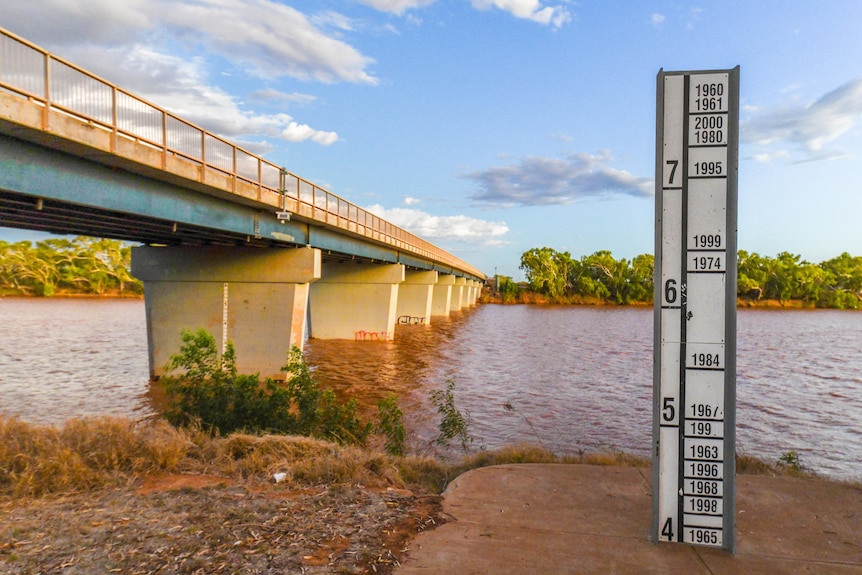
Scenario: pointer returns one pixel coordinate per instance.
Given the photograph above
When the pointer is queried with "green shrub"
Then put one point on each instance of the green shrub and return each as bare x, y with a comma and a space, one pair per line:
454, 423
391, 424
209, 391
790, 461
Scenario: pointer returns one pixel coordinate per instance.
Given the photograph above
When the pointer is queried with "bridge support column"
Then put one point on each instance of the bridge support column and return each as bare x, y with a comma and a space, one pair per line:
469, 289
458, 295
442, 297
467, 297
355, 301
477, 291
256, 298
415, 297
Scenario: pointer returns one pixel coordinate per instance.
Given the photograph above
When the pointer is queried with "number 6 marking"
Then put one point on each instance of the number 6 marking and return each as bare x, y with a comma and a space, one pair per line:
670, 291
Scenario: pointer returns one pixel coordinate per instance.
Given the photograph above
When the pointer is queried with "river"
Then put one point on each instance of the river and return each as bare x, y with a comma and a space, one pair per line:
569, 378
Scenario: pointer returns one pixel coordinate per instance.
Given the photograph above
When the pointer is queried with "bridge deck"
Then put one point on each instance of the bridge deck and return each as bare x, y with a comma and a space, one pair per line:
55, 104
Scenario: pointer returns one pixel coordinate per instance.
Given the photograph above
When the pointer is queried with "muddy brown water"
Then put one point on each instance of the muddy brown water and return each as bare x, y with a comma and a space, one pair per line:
568, 378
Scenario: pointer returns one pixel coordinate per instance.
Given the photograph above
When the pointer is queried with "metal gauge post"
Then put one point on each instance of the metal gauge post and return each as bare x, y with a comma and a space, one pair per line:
694, 373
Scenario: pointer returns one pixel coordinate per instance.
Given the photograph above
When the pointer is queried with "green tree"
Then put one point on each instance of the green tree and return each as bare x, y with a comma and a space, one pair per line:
846, 288
107, 264
640, 280
781, 276
39, 269
613, 275
546, 270
507, 288
812, 283
752, 274
82, 264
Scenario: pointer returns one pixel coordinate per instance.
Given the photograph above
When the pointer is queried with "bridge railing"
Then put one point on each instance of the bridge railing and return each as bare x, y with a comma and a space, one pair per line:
56, 85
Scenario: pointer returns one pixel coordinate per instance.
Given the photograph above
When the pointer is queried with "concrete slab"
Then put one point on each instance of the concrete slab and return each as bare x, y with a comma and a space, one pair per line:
516, 519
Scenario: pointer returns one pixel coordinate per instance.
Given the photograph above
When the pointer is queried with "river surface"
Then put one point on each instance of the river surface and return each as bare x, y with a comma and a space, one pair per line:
568, 378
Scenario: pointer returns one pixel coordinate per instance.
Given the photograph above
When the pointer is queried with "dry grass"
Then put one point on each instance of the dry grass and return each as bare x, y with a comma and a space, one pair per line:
83, 454
87, 454
748, 465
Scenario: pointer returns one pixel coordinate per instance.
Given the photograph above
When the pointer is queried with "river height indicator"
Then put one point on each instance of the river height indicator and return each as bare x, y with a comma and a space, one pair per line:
694, 372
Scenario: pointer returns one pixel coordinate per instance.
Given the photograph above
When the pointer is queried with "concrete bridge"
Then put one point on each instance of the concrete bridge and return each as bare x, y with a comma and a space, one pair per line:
232, 243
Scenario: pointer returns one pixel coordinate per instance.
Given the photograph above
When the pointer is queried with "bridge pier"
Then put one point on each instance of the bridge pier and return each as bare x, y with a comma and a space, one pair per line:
415, 297
355, 301
474, 292
256, 298
458, 294
442, 298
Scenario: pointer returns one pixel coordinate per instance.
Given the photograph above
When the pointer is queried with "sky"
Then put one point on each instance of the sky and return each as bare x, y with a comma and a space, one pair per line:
490, 127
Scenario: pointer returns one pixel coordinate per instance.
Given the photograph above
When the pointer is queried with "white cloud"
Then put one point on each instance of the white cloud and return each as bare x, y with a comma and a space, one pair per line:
180, 86
459, 228
335, 20
408, 201
396, 6
528, 9
767, 157
277, 97
657, 20
269, 38
272, 38
294, 132
810, 128
539, 181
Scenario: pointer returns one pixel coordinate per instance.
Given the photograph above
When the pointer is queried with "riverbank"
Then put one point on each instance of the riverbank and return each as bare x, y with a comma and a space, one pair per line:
530, 298
111, 495
63, 294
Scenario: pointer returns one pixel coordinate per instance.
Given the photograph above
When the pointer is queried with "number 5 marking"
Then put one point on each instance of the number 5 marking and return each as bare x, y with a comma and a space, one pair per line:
673, 164
668, 410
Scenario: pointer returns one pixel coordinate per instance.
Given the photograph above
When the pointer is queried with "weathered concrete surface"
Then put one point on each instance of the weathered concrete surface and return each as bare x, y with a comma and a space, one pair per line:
517, 519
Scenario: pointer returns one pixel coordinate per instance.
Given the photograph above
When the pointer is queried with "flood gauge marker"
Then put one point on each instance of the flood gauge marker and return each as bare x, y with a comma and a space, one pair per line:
694, 373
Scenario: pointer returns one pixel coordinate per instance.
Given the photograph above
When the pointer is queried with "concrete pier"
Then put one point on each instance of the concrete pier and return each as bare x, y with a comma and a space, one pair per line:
458, 295
415, 297
442, 298
256, 298
355, 301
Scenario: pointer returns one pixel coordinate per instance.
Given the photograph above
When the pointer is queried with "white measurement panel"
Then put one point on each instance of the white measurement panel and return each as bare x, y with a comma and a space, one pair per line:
694, 386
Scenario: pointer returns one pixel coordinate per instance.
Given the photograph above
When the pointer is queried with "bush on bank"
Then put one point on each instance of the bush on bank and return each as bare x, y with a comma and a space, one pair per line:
208, 391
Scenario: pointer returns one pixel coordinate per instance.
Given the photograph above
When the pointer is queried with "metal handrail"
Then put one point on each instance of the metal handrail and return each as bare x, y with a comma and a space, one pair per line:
57, 85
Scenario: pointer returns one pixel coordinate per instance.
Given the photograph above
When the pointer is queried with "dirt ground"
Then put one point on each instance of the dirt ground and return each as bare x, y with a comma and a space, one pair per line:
201, 524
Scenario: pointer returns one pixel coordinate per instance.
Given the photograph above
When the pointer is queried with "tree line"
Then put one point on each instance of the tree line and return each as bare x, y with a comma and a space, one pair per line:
557, 277
82, 265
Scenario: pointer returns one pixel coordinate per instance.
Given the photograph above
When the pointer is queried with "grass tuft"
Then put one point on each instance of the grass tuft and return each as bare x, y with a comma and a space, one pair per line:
83, 454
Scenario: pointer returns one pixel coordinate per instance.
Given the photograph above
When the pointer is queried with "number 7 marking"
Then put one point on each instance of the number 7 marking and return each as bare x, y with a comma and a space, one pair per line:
673, 164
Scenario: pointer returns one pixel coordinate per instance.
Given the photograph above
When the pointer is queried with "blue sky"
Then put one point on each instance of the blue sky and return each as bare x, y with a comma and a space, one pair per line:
490, 127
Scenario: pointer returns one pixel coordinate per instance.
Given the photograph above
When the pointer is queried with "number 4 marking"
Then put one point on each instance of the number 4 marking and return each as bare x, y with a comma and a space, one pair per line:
667, 530
673, 164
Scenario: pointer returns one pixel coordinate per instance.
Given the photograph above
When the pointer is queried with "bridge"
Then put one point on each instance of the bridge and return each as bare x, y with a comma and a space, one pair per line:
231, 242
